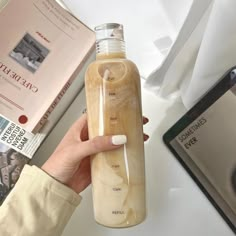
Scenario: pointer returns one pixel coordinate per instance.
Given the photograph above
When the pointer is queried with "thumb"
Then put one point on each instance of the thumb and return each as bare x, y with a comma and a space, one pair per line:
101, 144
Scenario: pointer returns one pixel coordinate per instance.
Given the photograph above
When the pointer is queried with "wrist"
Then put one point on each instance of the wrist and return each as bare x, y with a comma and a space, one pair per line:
48, 169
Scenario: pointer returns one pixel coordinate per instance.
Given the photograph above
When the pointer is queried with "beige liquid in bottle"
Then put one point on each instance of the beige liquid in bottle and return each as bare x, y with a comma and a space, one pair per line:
114, 107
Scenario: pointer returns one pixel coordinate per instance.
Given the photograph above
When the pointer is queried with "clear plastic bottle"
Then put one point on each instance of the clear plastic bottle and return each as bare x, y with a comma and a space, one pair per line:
113, 96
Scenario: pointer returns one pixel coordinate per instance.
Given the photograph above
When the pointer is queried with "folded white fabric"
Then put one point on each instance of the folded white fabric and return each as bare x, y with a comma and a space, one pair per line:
203, 52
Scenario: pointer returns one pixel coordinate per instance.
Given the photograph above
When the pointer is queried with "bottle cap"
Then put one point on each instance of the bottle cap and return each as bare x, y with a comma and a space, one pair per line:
109, 31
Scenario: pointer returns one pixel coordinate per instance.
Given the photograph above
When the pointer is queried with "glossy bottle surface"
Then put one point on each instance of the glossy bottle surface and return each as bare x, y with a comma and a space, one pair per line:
113, 97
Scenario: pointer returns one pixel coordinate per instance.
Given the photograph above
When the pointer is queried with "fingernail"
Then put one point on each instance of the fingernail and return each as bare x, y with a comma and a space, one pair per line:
118, 139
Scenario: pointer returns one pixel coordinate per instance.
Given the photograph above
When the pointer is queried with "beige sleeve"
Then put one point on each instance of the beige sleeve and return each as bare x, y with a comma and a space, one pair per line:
38, 205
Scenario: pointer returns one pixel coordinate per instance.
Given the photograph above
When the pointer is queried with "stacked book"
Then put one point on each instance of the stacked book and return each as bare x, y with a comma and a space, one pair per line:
42, 59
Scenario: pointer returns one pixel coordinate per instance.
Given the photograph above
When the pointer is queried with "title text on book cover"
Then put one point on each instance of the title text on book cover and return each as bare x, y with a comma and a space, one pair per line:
21, 81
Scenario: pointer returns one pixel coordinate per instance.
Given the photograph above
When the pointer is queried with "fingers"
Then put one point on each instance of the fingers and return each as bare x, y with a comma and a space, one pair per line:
101, 144
80, 123
145, 137
98, 144
81, 127
84, 132
145, 120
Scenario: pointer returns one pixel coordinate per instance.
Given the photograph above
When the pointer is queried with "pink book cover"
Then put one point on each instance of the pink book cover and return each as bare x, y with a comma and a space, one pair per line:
42, 49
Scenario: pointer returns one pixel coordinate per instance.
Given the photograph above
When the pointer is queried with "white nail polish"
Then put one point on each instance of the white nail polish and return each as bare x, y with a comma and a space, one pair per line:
118, 139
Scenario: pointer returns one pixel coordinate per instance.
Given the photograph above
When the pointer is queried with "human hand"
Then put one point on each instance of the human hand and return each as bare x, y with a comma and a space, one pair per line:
70, 164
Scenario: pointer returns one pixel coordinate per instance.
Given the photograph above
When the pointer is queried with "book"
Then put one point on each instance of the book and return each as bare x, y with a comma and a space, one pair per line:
17, 145
11, 165
42, 51
203, 141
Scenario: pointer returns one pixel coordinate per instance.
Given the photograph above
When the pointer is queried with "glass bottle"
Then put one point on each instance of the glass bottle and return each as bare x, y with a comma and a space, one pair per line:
113, 96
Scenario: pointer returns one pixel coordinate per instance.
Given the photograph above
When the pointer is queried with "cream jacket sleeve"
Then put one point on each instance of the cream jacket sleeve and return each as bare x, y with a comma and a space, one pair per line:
38, 205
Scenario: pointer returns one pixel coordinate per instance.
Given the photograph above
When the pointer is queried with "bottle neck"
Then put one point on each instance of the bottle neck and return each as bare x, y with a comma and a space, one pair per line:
110, 48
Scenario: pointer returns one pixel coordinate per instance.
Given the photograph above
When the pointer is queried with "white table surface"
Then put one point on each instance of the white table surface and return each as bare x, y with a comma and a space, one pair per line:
175, 204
